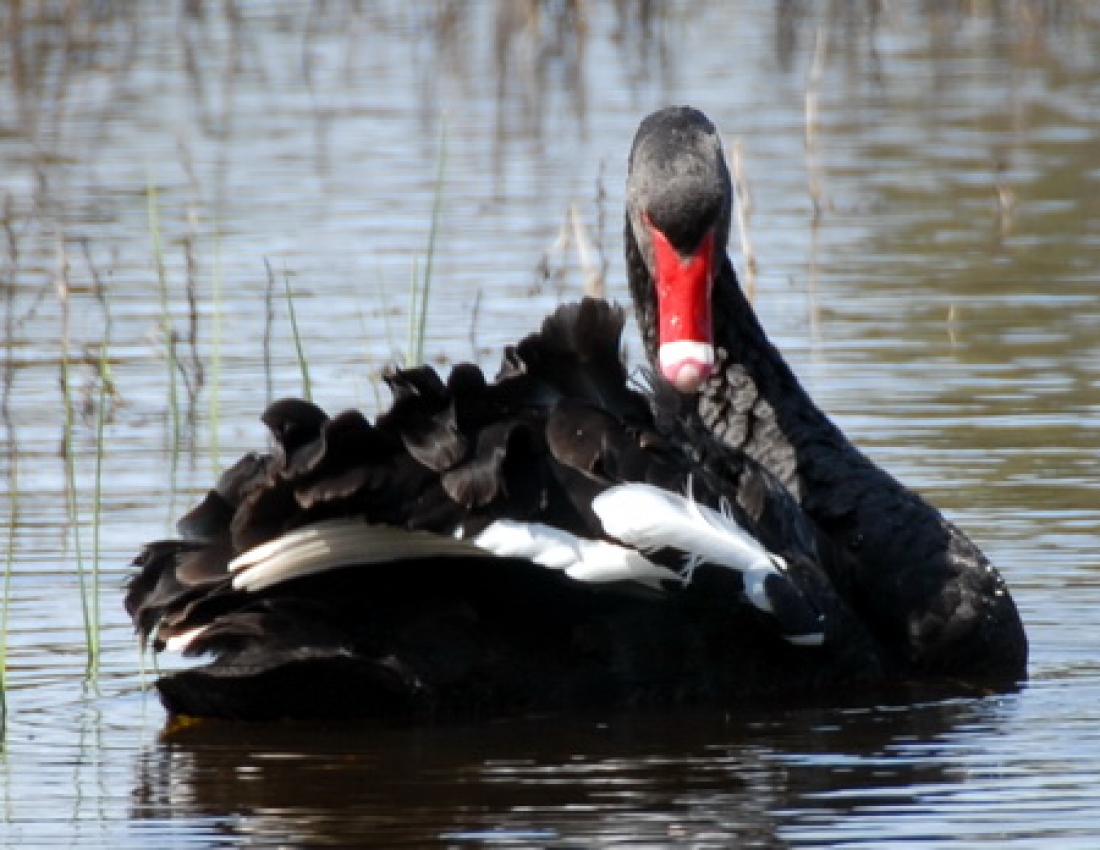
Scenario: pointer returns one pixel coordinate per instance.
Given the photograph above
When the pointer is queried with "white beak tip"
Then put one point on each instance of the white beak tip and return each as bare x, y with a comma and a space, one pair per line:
686, 364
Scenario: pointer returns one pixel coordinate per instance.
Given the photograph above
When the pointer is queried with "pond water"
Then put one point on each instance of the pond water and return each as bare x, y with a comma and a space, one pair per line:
922, 232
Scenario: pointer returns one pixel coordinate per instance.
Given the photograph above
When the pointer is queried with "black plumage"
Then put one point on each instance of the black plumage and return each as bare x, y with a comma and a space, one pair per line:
476, 634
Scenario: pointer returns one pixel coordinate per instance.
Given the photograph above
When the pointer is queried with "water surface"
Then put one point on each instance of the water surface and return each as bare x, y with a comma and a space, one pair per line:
922, 235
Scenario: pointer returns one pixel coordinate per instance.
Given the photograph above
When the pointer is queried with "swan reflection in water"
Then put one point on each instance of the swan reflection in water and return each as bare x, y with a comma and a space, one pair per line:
763, 775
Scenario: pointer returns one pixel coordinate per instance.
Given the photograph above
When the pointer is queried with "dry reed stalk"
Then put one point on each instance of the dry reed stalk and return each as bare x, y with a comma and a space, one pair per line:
813, 160
743, 200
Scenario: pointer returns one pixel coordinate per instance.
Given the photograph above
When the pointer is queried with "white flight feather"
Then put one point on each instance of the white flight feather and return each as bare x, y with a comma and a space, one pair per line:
650, 518
595, 561
337, 543
180, 642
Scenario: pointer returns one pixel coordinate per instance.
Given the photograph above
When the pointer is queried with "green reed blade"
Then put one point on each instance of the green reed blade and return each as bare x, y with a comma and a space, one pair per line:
214, 410
433, 232
303, 364
165, 319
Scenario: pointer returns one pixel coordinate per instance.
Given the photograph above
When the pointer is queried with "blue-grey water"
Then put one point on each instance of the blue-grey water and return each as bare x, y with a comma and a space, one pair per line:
921, 213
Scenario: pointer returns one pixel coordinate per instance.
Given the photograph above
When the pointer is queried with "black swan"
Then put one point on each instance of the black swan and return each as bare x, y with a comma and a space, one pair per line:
544, 541
930, 597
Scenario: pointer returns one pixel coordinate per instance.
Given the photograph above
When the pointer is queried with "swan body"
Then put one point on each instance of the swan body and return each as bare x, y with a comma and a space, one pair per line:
545, 540
556, 538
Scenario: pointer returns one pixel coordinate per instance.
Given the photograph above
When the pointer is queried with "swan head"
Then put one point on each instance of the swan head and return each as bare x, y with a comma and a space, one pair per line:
678, 201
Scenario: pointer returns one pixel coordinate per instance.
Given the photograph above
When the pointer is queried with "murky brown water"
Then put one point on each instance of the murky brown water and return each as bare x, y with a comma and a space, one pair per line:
926, 250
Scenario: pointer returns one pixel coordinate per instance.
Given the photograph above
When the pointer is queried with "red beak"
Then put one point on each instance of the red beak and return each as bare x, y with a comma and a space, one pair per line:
685, 334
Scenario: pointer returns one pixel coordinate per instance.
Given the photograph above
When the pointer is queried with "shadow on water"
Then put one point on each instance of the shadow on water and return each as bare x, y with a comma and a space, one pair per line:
679, 777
